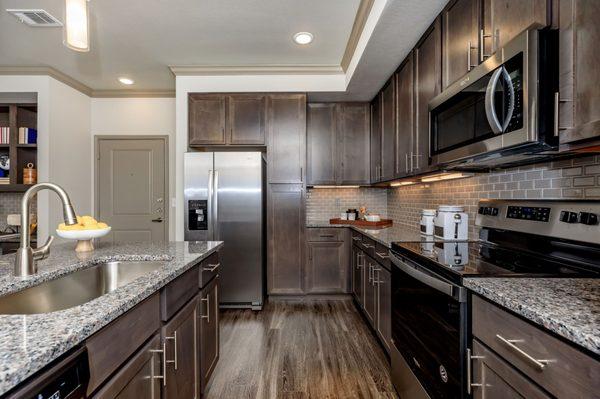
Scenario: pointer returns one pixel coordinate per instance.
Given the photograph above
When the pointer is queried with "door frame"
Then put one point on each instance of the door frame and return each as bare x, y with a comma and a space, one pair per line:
165, 139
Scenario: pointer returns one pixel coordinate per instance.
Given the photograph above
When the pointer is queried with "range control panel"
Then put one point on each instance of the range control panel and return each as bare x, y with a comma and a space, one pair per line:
535, 213
197, 215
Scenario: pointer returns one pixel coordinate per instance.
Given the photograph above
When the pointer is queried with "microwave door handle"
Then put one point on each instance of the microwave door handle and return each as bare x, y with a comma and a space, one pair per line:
490, 111
437, 284
511, 98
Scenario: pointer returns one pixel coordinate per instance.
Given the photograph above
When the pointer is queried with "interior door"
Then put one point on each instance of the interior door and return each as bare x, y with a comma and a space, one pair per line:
132, 188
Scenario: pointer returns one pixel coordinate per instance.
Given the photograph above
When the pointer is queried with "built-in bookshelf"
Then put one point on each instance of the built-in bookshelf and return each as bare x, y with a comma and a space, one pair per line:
18, 141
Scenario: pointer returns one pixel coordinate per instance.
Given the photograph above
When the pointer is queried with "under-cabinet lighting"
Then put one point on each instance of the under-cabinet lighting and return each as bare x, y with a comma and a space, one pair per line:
402, 183
76, 30
445, 176
336, 186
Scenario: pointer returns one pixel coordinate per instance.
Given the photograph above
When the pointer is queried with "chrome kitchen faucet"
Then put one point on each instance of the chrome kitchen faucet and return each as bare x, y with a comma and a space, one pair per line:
26, 256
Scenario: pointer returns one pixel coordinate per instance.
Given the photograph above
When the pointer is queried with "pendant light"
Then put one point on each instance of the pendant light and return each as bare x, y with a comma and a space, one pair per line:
76, 30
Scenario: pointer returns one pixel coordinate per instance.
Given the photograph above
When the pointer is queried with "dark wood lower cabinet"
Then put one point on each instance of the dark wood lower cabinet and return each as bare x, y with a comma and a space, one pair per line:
358, 271
370, 304
208, 320
327, 263
179, 337
139, 377
383, 282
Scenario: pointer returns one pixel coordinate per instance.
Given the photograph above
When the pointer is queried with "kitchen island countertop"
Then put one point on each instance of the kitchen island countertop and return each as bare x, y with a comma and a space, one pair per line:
30, 342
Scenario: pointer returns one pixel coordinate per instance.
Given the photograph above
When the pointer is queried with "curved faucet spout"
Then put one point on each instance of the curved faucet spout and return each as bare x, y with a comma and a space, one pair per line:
26, 256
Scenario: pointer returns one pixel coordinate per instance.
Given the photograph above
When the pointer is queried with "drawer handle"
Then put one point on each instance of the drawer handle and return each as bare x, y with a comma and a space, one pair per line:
207, 316
211, 268
471, 384
326, 236
174, 339
163, 351
356, 238
537, 363
368, 245
382, 255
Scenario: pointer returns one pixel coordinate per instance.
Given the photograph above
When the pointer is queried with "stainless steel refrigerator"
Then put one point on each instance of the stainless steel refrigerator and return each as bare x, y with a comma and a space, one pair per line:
224, 202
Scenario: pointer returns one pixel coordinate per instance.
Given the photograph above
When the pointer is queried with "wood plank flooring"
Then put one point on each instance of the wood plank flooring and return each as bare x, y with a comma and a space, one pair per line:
299, 349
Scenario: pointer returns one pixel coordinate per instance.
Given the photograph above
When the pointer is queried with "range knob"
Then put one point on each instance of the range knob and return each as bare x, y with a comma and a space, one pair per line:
568, 217
587, 218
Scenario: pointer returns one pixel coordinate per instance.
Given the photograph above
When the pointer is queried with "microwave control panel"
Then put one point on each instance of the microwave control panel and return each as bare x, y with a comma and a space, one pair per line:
197, 215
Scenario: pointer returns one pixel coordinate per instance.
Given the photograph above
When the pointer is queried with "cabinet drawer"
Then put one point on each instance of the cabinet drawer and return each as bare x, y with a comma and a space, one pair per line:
356, 238
382, 255
178, 292
368, 245
545, 359
209, 268
138, 378
325, 234
111, 346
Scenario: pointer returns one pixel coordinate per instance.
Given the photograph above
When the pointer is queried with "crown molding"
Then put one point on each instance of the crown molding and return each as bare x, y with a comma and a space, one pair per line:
205, 70
364, 9
47, 71
132, 93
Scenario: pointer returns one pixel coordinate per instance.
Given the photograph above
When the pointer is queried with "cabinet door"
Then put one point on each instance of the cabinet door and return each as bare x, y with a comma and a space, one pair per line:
405, 115
140, 377
370, 304
427, 85
206, 119
388, 131
321, 143
505, 19
180, 338
285, 239
383, 281
208, 320
460, 49
498, 379
358, 271
376, 139
287, 138
326, 268
353, 139
247, 119
579, 35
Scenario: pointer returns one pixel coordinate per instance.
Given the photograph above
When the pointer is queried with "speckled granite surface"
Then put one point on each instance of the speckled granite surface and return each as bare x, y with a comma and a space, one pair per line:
567, 307
30, 342
384, 236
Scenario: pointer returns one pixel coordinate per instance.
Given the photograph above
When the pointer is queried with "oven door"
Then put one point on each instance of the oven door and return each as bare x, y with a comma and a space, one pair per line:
428, 330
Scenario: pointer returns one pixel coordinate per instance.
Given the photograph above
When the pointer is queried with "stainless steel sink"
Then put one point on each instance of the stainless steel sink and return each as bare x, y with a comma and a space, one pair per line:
76, 288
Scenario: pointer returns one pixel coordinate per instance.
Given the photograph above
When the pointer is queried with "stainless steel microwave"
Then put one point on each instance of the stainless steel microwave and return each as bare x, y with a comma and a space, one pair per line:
503, 111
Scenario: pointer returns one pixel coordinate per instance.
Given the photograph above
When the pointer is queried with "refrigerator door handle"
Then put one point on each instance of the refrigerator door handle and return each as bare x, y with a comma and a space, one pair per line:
209, 211
215, 204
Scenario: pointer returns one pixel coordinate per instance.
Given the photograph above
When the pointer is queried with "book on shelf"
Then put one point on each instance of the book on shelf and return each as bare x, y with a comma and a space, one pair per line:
4, 135
27, 135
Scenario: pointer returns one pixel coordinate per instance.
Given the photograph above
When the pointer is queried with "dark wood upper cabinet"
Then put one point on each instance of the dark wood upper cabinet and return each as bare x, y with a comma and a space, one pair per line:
579, 35
285, 243
375, 141
207, 115
353, 139
388, 131
505, 19
321, 143
208, 321
179, 337
405, 117
460, 47
247, 119
427, 59
287, 138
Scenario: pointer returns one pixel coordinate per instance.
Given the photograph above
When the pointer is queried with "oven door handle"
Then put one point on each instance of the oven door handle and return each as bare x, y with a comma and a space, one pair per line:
442, 286
490, 111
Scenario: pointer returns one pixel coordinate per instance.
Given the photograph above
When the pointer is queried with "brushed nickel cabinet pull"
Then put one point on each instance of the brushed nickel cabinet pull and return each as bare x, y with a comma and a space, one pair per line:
207, 316
368, 245
482, 36
211, 268
382, 255
510, 343
356, 238
470, 384
163, 351
326, 236
174, 339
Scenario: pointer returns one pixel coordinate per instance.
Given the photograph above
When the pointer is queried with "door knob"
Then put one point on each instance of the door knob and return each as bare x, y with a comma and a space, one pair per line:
157, 220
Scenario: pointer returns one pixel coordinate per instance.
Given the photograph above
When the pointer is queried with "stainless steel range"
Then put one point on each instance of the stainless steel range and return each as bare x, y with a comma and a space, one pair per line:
430, 306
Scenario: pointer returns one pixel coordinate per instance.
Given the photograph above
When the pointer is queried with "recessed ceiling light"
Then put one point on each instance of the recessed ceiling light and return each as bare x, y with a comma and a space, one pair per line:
126, 81
303, 37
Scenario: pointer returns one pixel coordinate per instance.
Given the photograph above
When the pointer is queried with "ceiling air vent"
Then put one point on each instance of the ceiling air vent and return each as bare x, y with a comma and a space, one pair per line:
35, 17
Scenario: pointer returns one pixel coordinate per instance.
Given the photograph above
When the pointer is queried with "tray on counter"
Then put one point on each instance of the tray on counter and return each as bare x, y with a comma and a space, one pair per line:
363, 223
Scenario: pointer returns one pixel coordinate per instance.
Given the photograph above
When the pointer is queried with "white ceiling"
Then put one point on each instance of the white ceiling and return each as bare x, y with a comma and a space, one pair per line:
140, 38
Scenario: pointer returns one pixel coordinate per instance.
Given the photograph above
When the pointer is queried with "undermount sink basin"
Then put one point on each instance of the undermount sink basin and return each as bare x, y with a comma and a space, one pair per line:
76, 288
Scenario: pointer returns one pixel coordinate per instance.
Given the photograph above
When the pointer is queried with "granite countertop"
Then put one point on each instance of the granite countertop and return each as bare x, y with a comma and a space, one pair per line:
384, 236
569, 307
30, 342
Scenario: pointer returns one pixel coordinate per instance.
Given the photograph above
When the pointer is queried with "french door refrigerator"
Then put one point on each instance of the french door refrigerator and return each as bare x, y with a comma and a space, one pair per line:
223, 194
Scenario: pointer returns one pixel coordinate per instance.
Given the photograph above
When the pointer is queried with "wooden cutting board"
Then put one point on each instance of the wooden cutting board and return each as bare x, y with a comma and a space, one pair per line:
363, 223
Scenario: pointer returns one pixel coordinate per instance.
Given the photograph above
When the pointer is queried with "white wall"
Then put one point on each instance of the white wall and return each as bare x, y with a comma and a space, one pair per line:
138, 116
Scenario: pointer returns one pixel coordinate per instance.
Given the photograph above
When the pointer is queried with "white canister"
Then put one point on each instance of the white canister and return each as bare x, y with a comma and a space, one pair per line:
427, 221
344, 216
451, 223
